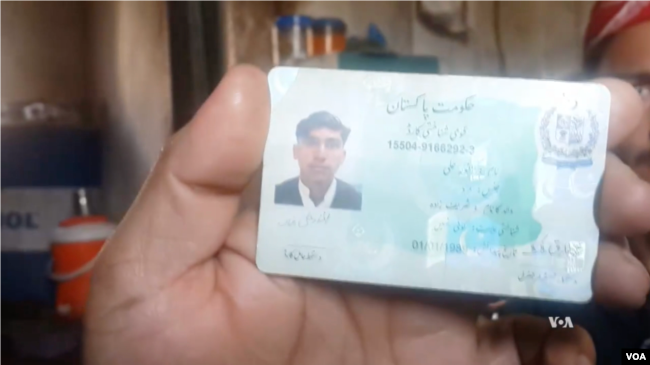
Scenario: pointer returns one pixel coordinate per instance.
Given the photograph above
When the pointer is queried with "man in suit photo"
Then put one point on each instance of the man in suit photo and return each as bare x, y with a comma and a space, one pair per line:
320, 151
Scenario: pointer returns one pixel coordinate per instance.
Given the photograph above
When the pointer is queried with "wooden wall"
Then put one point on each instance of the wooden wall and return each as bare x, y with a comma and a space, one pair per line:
42, 48
537, 39
131, 90
113, 55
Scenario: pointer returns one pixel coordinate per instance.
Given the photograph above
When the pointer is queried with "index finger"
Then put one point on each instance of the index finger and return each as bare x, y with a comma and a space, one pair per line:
624, 205
627, 129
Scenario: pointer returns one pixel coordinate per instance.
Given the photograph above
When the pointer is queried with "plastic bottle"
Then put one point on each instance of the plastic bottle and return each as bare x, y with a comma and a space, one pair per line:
292, 39
75, 246
329, 36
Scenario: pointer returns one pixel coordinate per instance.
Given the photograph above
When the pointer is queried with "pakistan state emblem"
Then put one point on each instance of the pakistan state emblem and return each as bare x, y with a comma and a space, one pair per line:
568, 140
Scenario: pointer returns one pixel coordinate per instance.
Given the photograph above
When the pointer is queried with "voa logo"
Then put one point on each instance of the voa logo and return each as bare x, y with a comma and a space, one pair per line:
637, 356
557, 322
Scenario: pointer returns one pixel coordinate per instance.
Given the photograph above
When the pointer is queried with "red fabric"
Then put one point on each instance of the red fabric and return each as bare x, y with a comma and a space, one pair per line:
611, 17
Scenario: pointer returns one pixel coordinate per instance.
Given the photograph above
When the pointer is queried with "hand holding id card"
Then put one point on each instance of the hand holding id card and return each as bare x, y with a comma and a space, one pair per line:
463, 184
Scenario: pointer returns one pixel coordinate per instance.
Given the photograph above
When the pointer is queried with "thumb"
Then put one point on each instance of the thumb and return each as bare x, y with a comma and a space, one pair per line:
188, 204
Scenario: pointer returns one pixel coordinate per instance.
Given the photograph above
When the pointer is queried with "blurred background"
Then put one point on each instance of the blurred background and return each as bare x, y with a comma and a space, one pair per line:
91, 91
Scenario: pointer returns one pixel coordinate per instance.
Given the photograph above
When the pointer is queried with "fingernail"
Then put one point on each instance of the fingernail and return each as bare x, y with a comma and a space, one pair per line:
583, 360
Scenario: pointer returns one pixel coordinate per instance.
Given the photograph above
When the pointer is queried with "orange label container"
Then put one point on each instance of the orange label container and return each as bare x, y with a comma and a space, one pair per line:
291, 38
329, 36
76, 243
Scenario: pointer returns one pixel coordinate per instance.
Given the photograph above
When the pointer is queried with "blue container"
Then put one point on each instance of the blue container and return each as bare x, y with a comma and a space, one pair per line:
42, 165
286, 23
291, 39
42, 155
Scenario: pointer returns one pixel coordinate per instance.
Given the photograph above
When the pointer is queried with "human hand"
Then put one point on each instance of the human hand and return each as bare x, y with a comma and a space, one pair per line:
177, 283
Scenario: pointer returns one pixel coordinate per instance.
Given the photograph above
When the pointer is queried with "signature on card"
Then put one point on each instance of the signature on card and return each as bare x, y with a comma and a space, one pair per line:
304, 253
547, 276
306, 220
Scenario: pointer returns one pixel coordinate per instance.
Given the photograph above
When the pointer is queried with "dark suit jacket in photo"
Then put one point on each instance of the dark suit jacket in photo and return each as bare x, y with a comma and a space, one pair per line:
345, 197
